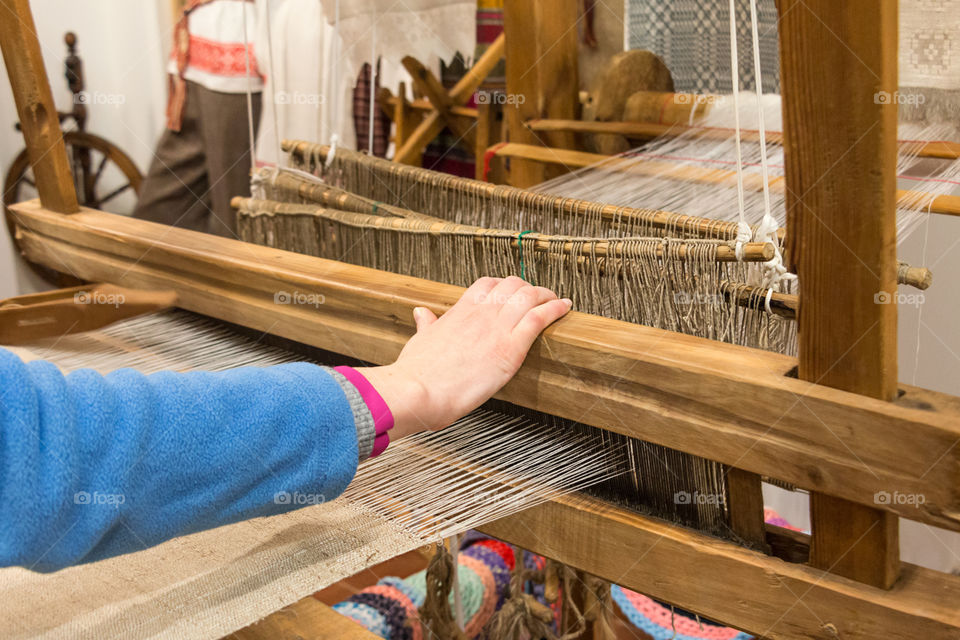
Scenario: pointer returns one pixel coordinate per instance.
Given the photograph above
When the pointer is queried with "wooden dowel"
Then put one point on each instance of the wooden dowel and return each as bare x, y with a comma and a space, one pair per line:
942, 149
694, 225
918, 277
751, 251
632, 165
422, 104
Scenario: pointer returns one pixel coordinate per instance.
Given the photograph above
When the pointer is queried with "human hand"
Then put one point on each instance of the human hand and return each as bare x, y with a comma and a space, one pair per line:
455, 363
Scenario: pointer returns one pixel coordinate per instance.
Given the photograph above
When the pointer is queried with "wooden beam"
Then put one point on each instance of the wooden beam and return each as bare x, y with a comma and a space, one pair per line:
649, 130
542, 76
732, 585
306, 618
486, 137
35, 107
637, 165
840, 145
736, 405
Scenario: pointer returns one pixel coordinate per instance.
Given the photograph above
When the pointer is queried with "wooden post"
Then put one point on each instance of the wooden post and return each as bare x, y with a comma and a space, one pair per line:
839, 72
746, 508
542, 77
401, 111
38, 114
486, 125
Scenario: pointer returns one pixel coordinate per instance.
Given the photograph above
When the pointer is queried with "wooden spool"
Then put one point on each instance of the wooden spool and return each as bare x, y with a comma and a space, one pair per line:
628, 73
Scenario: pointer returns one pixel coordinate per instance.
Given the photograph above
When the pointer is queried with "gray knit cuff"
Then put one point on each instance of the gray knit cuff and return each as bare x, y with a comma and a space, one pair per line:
362, 417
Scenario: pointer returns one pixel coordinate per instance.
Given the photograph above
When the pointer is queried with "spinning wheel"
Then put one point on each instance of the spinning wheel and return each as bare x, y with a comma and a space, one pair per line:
104, 177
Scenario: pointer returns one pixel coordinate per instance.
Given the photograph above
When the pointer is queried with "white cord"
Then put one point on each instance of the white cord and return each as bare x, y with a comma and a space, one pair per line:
246, 49
272, 82
743, 229
373, 84
336, 117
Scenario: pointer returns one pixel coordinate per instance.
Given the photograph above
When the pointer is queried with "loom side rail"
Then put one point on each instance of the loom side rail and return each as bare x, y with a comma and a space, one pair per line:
719, 401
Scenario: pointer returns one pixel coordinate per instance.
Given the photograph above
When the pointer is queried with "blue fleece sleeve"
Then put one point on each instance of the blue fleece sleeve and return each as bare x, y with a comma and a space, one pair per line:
93, 466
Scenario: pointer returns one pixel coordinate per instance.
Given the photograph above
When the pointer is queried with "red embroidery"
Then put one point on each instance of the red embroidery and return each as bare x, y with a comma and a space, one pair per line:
226, 59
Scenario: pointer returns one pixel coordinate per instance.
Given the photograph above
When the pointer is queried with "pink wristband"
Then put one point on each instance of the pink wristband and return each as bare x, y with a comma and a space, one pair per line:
382, 417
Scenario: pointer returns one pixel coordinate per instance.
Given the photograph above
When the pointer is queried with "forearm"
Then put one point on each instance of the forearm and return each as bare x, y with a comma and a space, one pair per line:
95, 466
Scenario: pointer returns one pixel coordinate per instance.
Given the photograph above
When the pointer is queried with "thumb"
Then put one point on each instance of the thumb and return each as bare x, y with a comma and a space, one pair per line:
423, 317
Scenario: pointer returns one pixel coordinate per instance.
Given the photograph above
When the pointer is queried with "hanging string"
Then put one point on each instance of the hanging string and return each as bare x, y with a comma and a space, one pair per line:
744, 233
758, 85
373, 83
272, 80
336, 112
773, 270
916, 353
246, 49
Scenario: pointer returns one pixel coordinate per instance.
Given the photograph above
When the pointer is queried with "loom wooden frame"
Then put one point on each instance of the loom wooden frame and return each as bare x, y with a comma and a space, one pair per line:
707, 398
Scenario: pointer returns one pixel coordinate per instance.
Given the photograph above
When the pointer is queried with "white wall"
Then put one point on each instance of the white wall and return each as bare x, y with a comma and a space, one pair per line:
123, 45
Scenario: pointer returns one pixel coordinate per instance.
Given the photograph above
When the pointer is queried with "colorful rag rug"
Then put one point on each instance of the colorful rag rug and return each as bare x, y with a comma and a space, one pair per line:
389, 608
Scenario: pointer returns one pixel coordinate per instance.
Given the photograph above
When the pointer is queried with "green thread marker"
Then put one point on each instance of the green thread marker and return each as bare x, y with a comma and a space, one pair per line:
523, 266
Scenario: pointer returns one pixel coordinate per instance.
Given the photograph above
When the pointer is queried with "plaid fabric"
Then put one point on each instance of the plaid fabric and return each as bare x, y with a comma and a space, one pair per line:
692, 37
361, 115
489, 26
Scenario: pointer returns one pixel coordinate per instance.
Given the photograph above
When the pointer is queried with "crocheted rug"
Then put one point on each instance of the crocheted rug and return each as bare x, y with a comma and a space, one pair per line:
389, 608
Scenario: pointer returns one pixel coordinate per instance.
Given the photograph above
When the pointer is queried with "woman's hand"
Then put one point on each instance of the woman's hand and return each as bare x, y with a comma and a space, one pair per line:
457, 362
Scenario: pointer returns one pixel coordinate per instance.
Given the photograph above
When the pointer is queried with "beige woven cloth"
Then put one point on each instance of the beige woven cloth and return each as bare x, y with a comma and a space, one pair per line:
204, 585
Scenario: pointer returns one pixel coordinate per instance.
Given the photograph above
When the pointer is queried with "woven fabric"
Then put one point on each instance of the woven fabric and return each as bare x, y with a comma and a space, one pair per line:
222, 580
361, 115
930, 60
692, 37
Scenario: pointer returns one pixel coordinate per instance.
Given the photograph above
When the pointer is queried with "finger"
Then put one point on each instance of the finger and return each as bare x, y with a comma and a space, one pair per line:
521, 302
538, 319
477, 292
423, 318
504, 289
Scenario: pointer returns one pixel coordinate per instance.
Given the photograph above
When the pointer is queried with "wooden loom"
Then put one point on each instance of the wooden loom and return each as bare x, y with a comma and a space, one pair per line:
833, 420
